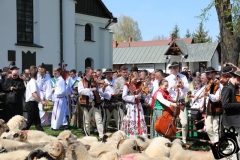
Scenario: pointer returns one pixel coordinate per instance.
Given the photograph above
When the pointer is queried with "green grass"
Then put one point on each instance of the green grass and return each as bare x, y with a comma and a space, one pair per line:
76, 131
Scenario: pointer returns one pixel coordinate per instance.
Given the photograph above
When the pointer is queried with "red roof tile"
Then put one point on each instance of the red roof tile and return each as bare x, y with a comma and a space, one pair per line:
149, 43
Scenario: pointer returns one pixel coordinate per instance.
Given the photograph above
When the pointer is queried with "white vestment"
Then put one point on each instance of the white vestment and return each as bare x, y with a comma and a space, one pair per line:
45, 87
60, 104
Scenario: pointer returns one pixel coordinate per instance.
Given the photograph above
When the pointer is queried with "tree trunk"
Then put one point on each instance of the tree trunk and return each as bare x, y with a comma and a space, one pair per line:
230, 41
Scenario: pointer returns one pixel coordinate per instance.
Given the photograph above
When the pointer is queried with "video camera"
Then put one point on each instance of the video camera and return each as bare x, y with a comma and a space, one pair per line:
227, 144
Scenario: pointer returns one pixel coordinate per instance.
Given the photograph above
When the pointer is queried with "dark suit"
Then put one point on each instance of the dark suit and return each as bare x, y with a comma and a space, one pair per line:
14, 108
3, 101
231, 113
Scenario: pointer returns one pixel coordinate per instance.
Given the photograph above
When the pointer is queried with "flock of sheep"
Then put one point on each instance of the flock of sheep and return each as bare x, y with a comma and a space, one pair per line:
17, 144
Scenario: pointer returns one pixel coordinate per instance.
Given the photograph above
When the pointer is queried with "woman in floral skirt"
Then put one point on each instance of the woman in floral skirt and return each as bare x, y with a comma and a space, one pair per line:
133, 122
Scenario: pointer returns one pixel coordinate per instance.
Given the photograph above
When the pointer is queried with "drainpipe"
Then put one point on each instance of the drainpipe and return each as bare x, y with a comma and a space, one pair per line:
61, 33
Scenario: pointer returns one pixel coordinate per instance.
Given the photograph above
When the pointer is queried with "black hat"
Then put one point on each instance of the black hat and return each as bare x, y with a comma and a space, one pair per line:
109, 70
134, 69
237, 73
229, 69
174, 64
14, 67
210, 69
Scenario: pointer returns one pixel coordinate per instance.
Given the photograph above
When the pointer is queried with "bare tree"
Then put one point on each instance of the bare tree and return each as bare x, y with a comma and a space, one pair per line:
125, 28
159, 37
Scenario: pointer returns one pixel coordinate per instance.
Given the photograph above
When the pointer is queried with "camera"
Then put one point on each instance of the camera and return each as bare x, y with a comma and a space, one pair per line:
227, 144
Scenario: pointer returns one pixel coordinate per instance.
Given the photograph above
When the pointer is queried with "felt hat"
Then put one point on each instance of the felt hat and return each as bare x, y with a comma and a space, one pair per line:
210, 69
174, 64
109, 70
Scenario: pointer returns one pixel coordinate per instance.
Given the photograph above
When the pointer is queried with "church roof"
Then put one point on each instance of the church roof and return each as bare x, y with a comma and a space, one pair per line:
93, 8
198, 52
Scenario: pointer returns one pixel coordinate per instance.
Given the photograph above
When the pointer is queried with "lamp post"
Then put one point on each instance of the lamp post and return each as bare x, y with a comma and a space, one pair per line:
168, 58
184, 57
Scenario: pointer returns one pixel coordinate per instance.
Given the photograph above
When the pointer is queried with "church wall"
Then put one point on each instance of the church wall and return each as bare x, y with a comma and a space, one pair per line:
99, 49
46, 32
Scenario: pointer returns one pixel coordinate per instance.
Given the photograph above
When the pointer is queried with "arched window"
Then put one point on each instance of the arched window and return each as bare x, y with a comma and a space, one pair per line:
88, 62
88, 32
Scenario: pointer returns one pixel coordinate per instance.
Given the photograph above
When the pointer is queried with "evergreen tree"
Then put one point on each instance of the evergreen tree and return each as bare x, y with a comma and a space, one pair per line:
188, 34
175, 32
201, 36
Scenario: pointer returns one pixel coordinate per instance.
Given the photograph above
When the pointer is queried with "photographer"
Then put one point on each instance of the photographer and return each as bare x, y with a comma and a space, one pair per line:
231, 114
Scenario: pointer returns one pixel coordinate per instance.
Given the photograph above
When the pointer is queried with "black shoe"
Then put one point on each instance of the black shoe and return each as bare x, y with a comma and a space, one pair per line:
52, 129
66, 127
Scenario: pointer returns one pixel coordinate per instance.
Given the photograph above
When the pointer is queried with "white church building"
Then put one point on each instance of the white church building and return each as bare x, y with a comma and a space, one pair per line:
33, 32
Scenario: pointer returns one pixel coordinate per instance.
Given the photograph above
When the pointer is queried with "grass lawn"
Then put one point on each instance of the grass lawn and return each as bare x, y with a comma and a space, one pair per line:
76, 131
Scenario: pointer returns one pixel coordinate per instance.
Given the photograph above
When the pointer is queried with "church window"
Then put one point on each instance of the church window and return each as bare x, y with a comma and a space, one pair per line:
88, 32
25, 21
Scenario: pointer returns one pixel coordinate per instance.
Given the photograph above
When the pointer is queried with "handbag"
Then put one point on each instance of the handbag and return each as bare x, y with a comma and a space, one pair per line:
12, 97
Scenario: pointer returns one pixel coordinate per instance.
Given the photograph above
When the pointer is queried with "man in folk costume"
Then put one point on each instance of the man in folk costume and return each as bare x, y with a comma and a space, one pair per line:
118, 90
72, 89
45, 86
60, 103
90, 102
231, 106
213, 106
173, 84
106, 92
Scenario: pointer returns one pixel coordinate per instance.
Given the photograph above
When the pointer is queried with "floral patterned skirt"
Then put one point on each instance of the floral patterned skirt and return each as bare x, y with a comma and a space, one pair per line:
133, 122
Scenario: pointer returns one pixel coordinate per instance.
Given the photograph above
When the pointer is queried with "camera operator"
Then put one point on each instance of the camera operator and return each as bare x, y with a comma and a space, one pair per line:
231, 114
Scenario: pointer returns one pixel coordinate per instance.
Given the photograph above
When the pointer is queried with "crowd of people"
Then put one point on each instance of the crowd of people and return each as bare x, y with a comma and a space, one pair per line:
97, 95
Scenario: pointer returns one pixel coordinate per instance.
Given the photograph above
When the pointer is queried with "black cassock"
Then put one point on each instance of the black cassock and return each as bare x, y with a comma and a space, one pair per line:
13, 109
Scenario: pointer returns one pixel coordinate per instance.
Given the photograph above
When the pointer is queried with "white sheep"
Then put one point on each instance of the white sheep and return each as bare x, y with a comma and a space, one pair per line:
111, 143
67, 135
15, 155
141, 141
3, 127
124, 147
157, 148
17, 122
177, 152
16, 135
79, 152
55, 149
87, 140
140, 156
12, 145
32, 136
129, 146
